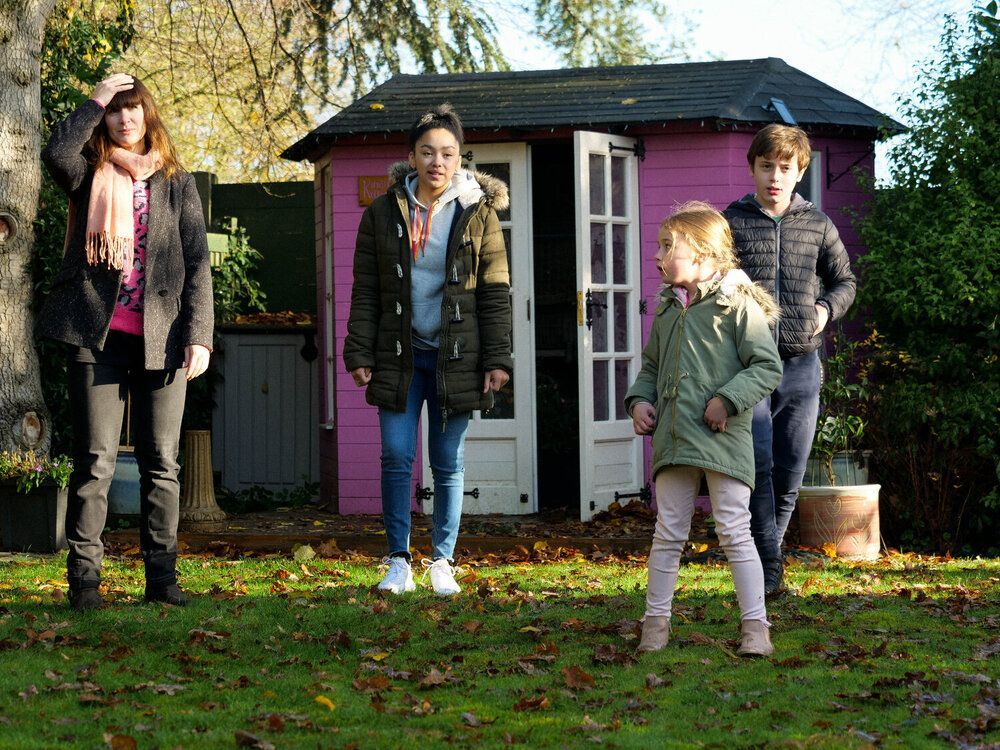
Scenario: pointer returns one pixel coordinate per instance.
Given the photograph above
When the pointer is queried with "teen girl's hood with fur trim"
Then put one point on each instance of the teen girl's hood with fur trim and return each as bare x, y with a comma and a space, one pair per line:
469, 186
730, 287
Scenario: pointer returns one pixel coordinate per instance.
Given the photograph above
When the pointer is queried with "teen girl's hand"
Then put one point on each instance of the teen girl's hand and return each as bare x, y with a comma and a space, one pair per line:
110, 86
643, 418
716, 414
362, 376
195, 360
494, 380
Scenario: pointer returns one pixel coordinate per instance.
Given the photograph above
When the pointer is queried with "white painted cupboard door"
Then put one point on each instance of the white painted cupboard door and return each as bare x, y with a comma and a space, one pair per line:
609, 340
500, 445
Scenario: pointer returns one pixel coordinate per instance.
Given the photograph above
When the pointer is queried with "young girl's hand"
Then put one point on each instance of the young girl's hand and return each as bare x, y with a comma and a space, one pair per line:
643, 418
716, 414
110, 86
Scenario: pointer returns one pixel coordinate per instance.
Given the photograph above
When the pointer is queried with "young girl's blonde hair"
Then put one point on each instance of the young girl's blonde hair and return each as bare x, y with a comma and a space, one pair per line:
705, 230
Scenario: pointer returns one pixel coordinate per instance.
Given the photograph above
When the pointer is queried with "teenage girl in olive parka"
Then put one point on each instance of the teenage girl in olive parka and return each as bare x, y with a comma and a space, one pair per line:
430, 321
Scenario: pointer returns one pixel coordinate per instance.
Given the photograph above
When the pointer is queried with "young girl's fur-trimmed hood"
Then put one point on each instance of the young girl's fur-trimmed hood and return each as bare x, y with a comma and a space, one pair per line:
736, 282
494, 190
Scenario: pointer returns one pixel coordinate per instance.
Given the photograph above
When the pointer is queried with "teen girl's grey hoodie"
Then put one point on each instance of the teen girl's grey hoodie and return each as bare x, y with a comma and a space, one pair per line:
427, 274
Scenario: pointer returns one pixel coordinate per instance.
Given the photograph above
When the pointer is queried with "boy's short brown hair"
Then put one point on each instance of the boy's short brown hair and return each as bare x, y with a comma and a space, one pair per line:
782, 142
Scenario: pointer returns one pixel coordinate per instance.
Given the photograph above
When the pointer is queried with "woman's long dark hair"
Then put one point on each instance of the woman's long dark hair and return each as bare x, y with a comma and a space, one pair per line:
156, 138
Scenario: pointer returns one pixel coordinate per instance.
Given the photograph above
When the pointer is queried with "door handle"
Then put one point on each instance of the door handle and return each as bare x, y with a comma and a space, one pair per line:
591, 304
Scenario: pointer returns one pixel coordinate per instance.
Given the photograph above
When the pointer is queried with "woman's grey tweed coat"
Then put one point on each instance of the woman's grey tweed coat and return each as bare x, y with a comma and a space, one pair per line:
475, 309
178, 297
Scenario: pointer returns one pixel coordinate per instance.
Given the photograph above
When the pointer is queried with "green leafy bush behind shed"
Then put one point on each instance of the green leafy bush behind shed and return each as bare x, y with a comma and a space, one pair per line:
931, 286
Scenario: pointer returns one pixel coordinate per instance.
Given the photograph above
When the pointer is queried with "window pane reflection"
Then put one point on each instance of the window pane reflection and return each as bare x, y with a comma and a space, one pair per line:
598, 253
620, 320
618, 195
619, 253
622, 382
597, 184
601, 391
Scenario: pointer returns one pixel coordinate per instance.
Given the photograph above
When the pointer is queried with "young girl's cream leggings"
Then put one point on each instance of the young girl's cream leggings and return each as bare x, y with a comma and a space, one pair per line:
676, 489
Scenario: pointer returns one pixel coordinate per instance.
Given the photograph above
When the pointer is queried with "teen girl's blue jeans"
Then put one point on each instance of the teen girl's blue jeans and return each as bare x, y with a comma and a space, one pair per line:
447, 458
783, 427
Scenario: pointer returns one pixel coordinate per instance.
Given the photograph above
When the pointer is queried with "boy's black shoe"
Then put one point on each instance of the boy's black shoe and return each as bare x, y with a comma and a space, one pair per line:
170, 594
85, 600
775, 586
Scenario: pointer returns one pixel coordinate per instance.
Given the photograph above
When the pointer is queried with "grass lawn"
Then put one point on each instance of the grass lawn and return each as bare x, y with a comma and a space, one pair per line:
274, 652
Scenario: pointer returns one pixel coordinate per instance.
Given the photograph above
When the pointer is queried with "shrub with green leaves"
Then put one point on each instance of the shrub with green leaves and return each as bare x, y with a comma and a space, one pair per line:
930, 285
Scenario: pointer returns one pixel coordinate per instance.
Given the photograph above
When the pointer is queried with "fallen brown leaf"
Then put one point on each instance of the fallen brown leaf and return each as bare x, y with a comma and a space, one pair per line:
577, 679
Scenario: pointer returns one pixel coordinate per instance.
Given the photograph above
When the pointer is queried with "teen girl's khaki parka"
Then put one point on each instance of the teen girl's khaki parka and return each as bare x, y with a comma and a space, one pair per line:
475, 310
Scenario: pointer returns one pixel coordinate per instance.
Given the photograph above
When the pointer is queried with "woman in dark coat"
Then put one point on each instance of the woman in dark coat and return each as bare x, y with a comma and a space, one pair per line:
133, 299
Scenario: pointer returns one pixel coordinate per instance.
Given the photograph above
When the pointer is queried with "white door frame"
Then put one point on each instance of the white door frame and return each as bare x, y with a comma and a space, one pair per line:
611, 455
500, 454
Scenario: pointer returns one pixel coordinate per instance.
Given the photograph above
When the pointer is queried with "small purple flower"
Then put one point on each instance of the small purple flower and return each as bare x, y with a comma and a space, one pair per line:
38, 468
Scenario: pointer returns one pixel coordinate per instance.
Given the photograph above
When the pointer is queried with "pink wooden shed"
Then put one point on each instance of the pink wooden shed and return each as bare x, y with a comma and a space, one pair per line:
595, 158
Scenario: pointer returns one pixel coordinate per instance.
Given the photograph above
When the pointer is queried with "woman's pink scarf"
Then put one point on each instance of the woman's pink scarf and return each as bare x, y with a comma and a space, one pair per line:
110, 220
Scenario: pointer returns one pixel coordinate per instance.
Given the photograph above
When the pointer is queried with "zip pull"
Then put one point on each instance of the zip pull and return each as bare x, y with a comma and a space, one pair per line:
444, 419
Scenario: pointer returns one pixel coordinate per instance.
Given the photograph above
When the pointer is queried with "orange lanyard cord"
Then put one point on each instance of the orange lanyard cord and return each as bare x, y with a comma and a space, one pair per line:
419, 235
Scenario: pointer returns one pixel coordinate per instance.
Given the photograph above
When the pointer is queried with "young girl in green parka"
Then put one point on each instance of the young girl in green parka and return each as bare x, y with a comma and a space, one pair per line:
710, 357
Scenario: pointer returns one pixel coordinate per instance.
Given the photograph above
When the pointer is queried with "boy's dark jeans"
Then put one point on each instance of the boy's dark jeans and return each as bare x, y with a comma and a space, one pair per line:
98, 384
784, 424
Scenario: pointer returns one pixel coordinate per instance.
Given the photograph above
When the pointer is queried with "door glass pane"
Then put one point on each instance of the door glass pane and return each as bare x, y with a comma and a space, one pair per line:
500, 170
598, 253
619, 253
598, 309
622, 382
620, 321
506, 244
601, 390
618, 195
503, 403
597, 184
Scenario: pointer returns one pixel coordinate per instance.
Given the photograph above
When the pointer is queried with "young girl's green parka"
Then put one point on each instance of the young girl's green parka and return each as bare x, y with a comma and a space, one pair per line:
720, 345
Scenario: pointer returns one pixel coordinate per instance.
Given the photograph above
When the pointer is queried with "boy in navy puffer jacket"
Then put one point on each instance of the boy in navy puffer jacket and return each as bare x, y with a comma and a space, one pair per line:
793, 250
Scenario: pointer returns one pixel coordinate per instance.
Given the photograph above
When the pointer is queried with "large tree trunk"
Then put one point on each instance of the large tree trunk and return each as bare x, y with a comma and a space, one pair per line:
24, 420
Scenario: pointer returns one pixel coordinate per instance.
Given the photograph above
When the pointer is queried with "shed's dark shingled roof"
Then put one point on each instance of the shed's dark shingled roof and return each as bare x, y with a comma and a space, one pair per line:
737, 90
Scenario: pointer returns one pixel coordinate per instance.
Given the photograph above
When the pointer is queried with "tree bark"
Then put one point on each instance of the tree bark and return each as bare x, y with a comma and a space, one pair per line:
24, 420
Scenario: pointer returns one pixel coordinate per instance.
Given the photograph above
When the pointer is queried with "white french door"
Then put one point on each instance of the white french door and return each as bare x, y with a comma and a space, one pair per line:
500, 445
608, 293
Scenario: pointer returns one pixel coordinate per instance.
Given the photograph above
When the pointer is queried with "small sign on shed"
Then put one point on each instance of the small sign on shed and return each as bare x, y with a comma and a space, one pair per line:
371, 187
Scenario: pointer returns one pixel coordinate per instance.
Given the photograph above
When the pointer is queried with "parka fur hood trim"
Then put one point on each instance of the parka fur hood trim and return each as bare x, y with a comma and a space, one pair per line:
731, 287
737, 283
495, 191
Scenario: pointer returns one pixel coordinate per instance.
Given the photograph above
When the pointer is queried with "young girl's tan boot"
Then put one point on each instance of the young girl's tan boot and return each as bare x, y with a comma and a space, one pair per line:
655, 633
756, 639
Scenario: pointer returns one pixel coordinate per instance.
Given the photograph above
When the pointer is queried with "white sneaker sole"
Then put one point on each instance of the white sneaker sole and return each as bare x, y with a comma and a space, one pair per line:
409, 585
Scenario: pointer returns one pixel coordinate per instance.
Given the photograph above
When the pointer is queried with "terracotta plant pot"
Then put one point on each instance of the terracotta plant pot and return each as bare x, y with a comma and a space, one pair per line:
35, 522
845, 517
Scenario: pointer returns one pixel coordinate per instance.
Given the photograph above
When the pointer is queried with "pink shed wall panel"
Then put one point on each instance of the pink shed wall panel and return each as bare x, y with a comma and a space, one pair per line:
358, 445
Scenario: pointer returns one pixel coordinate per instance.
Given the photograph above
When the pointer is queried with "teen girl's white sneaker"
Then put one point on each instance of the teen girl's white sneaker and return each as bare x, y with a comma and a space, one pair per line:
442, 577
399, 577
